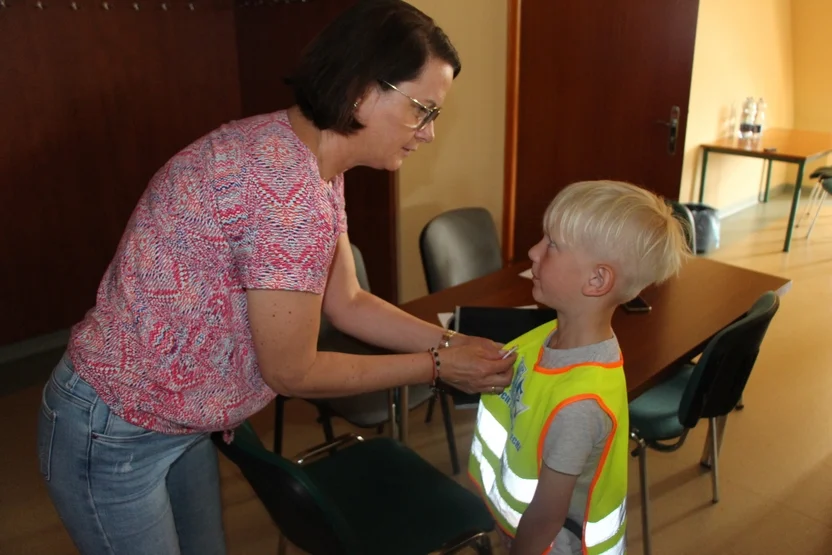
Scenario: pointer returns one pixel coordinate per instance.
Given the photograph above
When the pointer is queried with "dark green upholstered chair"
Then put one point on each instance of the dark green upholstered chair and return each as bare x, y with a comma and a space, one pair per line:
661, 418
351, 496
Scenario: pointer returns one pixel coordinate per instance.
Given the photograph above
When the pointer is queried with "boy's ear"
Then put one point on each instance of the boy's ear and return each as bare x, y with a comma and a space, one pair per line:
601, 281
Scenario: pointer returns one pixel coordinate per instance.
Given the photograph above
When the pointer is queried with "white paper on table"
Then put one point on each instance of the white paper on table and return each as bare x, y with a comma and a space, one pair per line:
445, 317
527, 274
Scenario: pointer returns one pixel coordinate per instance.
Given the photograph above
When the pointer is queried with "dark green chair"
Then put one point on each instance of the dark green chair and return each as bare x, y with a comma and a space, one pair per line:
709, 389
351, 496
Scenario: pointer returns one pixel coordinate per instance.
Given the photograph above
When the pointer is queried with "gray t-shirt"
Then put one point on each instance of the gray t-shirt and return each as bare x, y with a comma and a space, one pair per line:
576, 437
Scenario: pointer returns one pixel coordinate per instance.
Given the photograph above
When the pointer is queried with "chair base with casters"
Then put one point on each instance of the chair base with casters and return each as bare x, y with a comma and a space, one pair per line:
351, 496
710, 389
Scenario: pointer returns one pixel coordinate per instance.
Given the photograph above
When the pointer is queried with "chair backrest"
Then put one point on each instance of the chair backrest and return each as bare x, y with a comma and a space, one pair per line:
721, 373
363, 280
360, 268
458, 246
684, 214
302, 513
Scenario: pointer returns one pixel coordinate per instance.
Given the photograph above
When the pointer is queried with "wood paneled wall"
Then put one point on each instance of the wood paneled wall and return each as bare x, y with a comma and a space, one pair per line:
95, 96
92, 102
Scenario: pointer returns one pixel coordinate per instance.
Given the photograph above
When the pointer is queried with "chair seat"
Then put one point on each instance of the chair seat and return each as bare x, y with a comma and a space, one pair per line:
824, 172
395, 500
655, 413
368, 410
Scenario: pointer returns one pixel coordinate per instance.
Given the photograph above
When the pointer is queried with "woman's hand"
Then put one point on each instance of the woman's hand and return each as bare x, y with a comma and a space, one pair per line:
477, 366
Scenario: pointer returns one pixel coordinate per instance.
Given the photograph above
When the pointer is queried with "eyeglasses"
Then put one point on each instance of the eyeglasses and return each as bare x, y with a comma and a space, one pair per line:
427, 114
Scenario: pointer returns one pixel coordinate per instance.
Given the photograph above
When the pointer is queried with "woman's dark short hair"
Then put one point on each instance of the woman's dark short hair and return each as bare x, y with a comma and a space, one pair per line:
373, 41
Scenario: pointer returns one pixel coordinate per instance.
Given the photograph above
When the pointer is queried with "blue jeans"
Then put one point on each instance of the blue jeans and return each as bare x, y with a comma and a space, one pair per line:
121, 489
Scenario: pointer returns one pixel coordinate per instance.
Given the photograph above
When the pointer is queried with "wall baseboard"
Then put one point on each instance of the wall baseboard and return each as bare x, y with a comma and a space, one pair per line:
737, 207
33, 346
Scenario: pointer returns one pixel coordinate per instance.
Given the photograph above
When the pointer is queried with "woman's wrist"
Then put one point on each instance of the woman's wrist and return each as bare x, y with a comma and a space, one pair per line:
451, 338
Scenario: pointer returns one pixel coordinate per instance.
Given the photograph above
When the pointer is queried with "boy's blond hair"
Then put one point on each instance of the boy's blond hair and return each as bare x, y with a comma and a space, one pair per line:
623, 224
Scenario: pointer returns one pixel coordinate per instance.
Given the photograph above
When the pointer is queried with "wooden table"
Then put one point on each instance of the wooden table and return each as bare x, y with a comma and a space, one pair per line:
687, 311
776, 145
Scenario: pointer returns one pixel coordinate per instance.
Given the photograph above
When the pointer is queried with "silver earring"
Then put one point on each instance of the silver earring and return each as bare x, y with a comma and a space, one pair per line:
355, 105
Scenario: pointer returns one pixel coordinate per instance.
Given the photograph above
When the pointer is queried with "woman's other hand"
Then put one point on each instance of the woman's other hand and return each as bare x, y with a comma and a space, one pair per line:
477, 366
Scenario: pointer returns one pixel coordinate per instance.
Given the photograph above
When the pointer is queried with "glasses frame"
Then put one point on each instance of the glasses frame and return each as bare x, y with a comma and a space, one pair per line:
430, 113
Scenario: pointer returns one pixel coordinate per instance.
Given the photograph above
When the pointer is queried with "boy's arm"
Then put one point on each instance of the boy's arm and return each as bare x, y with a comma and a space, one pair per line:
545, 515
567, 447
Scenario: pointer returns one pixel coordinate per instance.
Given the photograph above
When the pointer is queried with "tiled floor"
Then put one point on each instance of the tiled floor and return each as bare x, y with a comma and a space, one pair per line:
776, 463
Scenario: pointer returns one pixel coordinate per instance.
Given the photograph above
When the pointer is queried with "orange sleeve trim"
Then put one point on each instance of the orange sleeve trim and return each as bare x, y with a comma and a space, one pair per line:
601, 462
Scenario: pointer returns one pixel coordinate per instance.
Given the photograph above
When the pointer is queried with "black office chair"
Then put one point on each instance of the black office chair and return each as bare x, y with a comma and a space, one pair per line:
368, 410
818, 195
370, 497
709, 389
458, 246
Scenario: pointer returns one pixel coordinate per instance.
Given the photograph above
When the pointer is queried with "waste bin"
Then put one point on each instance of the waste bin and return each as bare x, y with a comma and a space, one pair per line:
707, 227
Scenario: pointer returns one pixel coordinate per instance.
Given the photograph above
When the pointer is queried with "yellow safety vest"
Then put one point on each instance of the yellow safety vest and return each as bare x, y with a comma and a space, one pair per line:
507, 449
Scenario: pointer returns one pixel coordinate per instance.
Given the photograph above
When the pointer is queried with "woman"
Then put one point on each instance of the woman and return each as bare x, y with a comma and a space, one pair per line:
212, 303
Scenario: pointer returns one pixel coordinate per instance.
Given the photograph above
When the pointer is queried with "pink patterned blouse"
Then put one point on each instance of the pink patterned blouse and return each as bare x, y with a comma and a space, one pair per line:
168, 345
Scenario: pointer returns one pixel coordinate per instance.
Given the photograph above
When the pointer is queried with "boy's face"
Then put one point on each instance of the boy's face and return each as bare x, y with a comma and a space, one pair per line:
564, 277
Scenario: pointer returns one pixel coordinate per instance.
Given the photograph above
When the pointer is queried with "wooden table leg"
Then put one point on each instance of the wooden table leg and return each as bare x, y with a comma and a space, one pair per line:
795, 201
768, 180
702, 181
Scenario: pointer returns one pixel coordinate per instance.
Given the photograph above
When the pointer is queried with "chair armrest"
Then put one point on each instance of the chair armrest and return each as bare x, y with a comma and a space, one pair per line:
319, 450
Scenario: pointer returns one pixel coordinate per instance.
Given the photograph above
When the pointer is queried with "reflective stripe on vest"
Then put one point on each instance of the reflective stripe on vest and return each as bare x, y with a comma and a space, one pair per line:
598, 532
489, 486
522, 489
495, 436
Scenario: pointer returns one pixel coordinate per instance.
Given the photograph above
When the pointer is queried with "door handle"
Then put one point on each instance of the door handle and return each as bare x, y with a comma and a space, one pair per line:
673, 128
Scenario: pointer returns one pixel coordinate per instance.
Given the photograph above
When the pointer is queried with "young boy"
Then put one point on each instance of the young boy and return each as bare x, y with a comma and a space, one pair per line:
550, 452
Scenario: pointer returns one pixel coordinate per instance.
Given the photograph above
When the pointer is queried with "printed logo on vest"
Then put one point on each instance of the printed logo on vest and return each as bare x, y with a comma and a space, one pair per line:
515, 401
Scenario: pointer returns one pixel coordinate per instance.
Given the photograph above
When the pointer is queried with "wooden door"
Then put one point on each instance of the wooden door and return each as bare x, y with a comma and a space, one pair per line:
596, 82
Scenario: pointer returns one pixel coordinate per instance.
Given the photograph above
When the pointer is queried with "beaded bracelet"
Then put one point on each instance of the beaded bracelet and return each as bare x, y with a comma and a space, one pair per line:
436, 365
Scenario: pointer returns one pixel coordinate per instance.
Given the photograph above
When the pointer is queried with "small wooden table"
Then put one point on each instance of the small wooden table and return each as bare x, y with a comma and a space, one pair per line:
776, 145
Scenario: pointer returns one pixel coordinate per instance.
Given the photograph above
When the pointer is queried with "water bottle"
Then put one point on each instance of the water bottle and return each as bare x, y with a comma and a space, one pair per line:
760, 118
749, 113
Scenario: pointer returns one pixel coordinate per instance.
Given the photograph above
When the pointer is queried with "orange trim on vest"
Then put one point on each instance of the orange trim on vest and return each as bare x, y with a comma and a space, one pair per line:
554, 371
551, 371
604, 454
